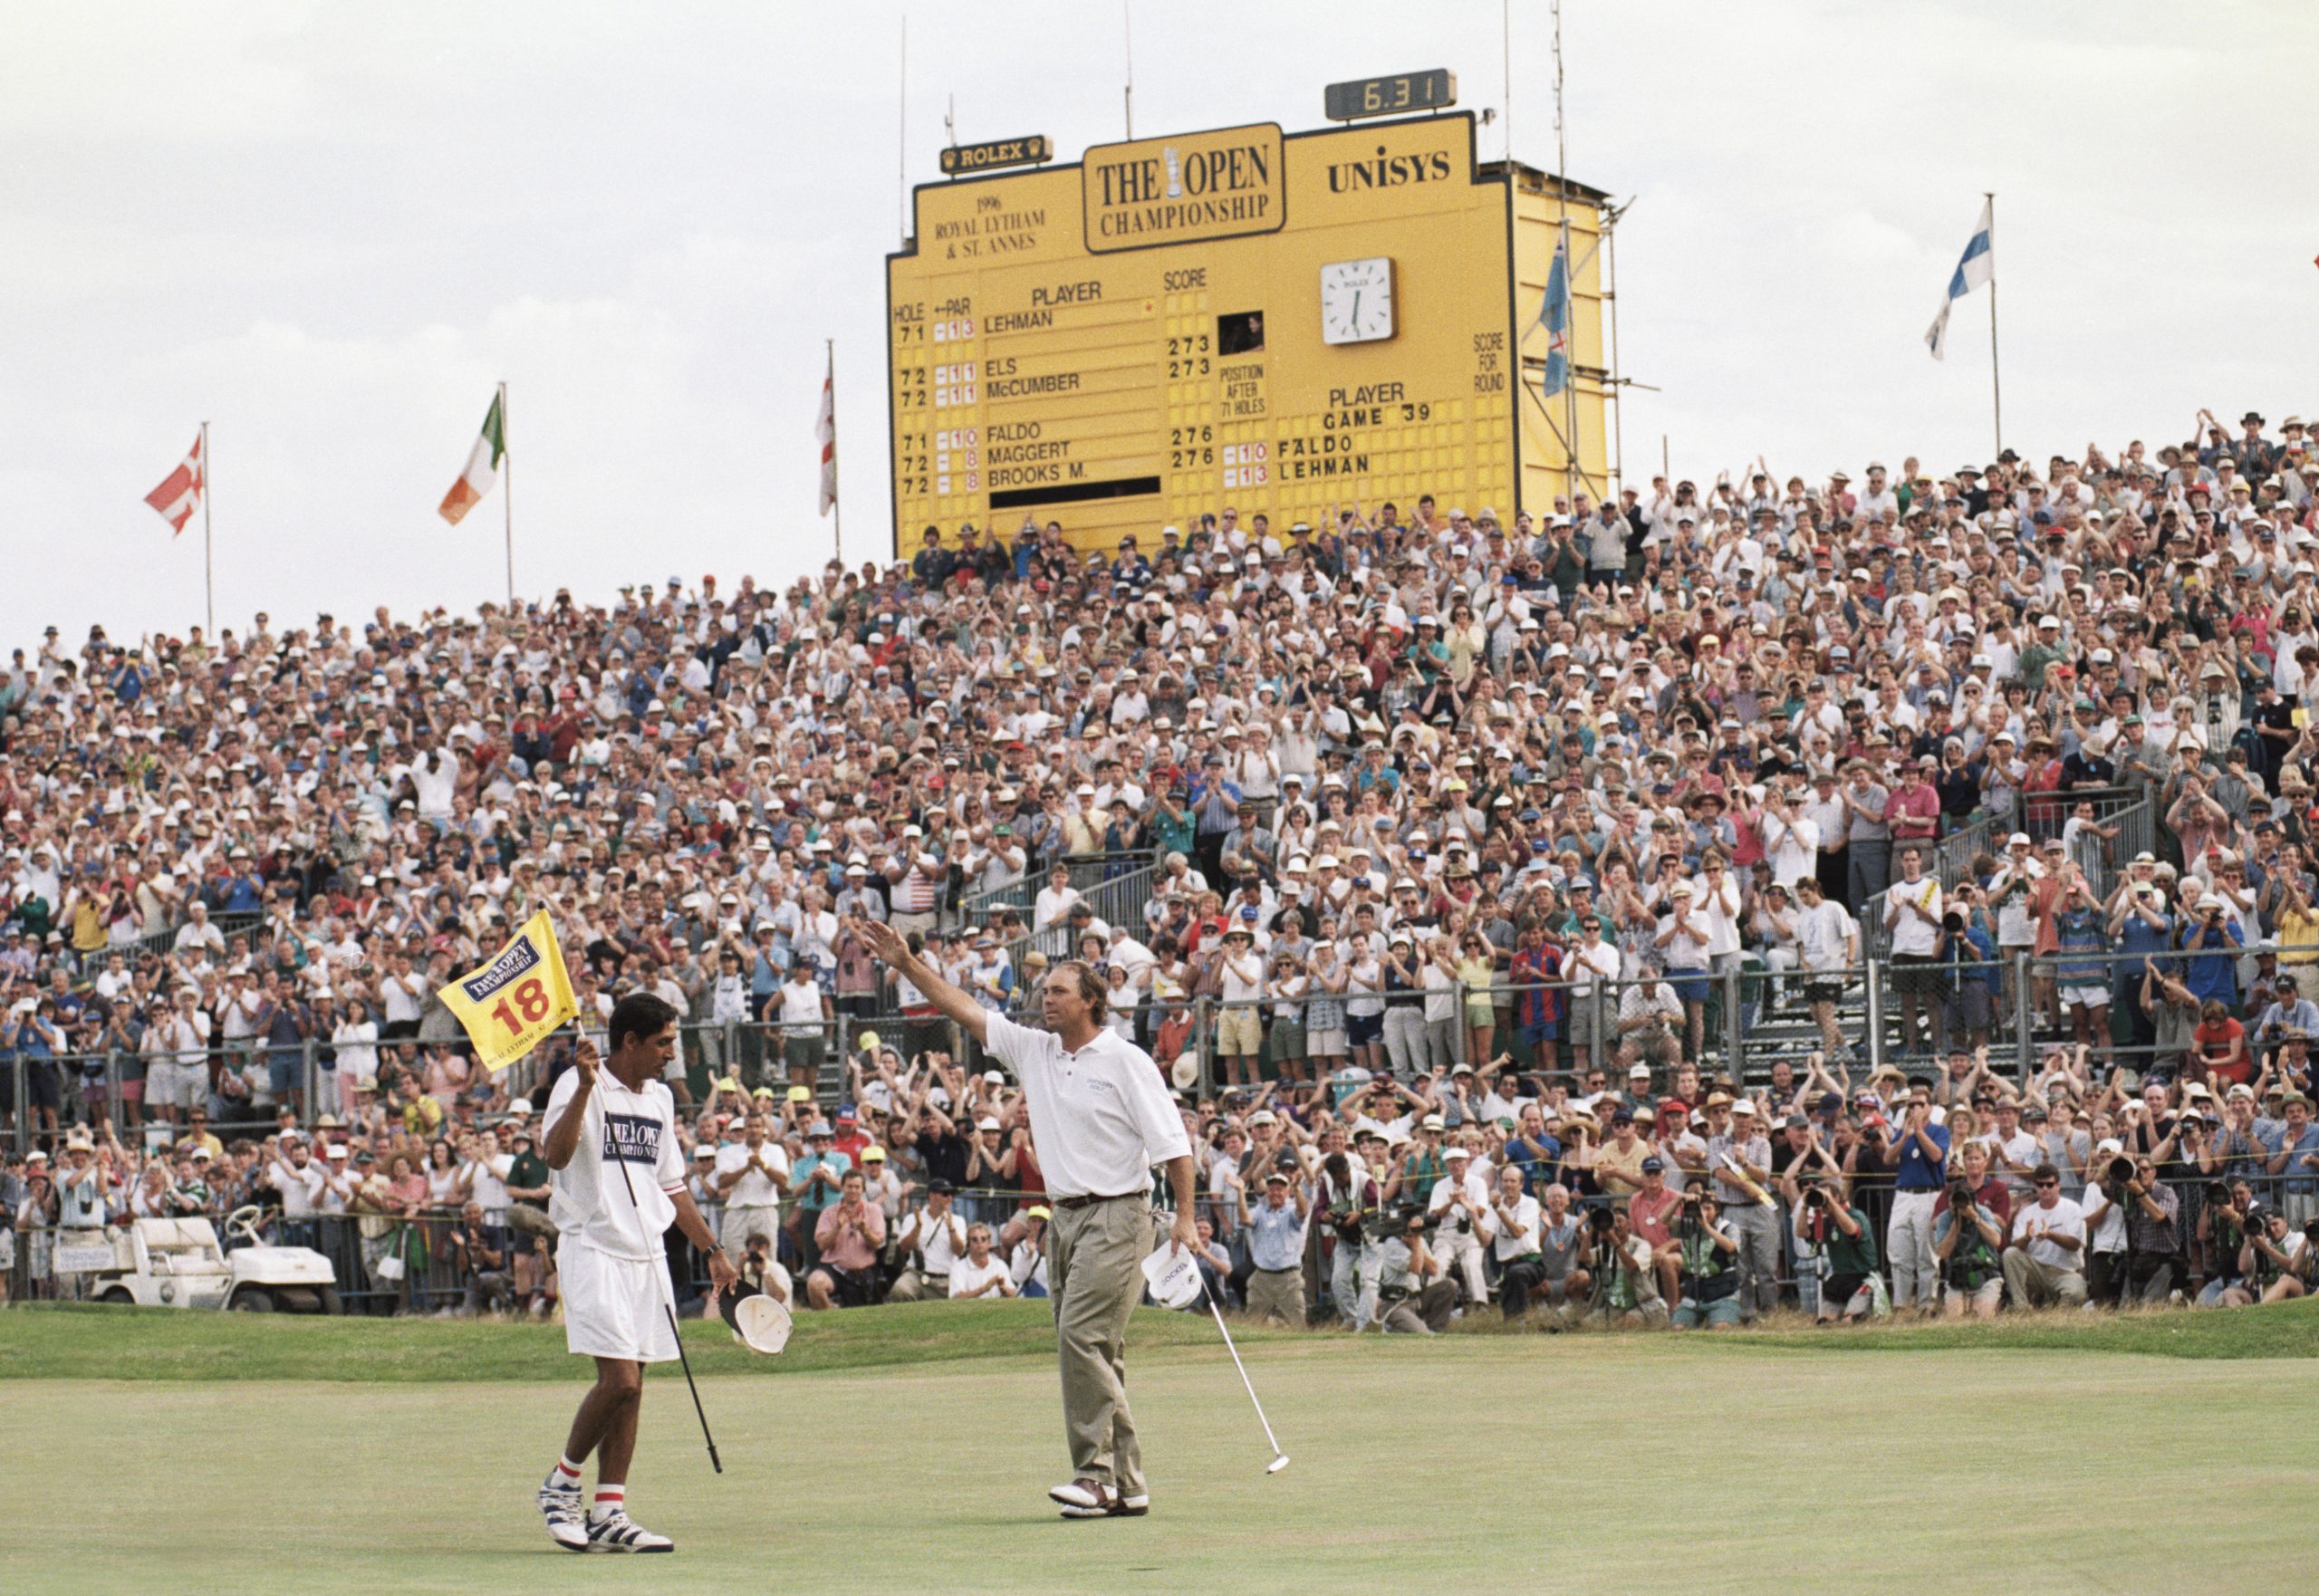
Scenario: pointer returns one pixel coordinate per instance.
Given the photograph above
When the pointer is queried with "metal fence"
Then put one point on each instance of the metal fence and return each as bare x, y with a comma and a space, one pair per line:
418, 1263
2096, 851
1088, 871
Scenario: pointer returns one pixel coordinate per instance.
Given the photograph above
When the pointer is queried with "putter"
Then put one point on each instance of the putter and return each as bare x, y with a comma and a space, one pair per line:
1279, 1458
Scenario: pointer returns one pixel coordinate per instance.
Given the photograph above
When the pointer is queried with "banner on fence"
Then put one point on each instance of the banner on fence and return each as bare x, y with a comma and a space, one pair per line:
511, 1004
81, 1258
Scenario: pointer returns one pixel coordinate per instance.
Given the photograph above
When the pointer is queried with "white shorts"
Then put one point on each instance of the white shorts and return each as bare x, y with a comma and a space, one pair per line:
614, 1307
172, 1085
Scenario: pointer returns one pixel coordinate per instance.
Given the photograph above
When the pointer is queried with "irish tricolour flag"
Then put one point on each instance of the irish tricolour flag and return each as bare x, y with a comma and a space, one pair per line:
483, 465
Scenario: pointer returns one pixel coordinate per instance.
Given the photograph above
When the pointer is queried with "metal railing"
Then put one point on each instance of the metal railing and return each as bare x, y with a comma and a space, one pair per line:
1088, 871
408, 1263
2100, 857
1752, 1013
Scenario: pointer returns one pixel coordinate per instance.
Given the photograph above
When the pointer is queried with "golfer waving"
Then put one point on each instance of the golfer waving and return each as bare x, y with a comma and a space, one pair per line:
619, 1181
1101, 1120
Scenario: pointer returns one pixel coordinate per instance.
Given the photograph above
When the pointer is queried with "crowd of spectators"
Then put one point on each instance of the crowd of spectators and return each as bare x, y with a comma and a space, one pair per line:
1479, 811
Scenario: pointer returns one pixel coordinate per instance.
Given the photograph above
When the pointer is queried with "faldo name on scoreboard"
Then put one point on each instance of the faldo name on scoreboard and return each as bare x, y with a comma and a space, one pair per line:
1290, 323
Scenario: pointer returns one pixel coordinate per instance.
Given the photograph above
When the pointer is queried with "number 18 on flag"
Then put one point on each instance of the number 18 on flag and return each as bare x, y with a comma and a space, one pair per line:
511, 1004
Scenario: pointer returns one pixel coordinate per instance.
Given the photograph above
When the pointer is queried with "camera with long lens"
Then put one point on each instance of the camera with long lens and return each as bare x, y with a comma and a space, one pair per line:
1599, 1220
1960, 1194
2120, 1171
1815, 1199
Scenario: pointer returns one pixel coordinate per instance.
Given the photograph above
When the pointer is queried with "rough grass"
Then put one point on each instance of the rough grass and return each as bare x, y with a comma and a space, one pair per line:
168, 1344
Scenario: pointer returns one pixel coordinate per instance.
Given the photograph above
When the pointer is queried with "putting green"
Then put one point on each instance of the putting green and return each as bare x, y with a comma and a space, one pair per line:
1572, 1464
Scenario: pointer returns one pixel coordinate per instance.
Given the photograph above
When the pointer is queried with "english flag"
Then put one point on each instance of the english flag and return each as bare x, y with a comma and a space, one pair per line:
825, 431
179, 495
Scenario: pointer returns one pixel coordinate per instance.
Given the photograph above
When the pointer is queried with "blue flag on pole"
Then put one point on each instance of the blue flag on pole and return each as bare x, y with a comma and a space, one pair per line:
1554, 315
1976, 266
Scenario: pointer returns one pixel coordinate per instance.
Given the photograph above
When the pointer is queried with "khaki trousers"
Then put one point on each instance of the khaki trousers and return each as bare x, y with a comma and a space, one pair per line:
754, 1219
1095, 1270
1277, 1293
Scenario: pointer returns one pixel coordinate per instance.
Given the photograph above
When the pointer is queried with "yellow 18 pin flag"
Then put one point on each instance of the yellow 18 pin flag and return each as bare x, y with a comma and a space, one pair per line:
511, 1004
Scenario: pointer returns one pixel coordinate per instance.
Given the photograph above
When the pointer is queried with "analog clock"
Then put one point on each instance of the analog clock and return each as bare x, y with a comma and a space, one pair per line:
1357, 300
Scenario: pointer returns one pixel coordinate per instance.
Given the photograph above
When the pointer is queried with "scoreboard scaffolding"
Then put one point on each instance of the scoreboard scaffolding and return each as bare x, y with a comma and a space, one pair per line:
1288, 323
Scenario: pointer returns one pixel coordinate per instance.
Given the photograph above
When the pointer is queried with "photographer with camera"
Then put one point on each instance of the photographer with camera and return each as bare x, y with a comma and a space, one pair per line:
2231, 1215
2130, 1206
2277, 1259
1626, 1279
2046, 1265
1832, 1238
1414, 1295
759, 1268
1706, 1257
1348, 1201
1969, 1222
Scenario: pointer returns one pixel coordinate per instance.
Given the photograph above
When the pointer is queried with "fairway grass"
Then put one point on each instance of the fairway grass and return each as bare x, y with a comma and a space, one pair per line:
1609, 1464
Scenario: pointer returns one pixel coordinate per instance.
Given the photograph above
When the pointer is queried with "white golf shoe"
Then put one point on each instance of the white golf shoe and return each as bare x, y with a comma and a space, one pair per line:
566, 1515
616, 1531
1093, 1498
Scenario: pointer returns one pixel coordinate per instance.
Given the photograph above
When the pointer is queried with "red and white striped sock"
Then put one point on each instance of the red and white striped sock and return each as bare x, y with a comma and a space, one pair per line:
611, 1499
566, 1475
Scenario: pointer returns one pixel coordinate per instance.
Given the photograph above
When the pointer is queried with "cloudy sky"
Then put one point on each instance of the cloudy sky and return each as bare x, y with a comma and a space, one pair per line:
329, 230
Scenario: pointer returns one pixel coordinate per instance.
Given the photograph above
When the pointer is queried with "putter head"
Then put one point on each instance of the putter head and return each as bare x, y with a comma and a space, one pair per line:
1277, 1464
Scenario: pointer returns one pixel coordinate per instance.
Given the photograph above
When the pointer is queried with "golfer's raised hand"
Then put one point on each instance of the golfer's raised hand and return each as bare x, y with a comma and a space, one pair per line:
584, 1060
885, 942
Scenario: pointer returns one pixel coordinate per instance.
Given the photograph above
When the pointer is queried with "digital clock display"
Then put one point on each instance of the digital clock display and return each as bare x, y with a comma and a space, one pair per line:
1391, 96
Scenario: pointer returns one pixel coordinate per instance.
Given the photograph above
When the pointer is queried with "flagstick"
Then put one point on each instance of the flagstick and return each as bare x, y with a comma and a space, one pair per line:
837, 503
1997, 400
507, 493
208, 576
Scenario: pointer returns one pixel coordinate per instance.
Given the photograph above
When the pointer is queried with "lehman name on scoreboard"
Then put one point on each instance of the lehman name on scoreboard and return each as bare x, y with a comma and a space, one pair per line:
1291, 325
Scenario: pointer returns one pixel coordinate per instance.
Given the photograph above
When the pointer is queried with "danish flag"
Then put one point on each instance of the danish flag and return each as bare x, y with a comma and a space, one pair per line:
179, 495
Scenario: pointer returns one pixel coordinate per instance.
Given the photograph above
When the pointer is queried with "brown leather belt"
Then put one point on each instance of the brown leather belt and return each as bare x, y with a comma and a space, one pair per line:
1091, 1198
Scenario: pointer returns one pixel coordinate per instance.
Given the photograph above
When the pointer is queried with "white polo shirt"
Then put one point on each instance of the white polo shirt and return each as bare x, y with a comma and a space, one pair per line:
1912, 933
1519, 1239
587, 1198
1100, 1116
2064, 1219
753, 1191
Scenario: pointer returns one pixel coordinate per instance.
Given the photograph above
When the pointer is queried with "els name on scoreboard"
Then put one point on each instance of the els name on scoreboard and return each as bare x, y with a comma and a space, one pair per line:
1289, 322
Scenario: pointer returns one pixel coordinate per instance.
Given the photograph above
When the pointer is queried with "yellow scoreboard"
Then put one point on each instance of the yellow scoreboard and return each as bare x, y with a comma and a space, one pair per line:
1286, 323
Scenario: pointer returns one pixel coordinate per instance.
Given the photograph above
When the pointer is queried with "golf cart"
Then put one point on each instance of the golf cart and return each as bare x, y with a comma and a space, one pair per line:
178, 1263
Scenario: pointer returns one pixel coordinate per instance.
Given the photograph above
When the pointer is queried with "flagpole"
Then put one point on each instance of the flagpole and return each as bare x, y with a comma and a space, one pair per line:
507, 493
1997, 397
208, 575
837, 504
1572, 474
